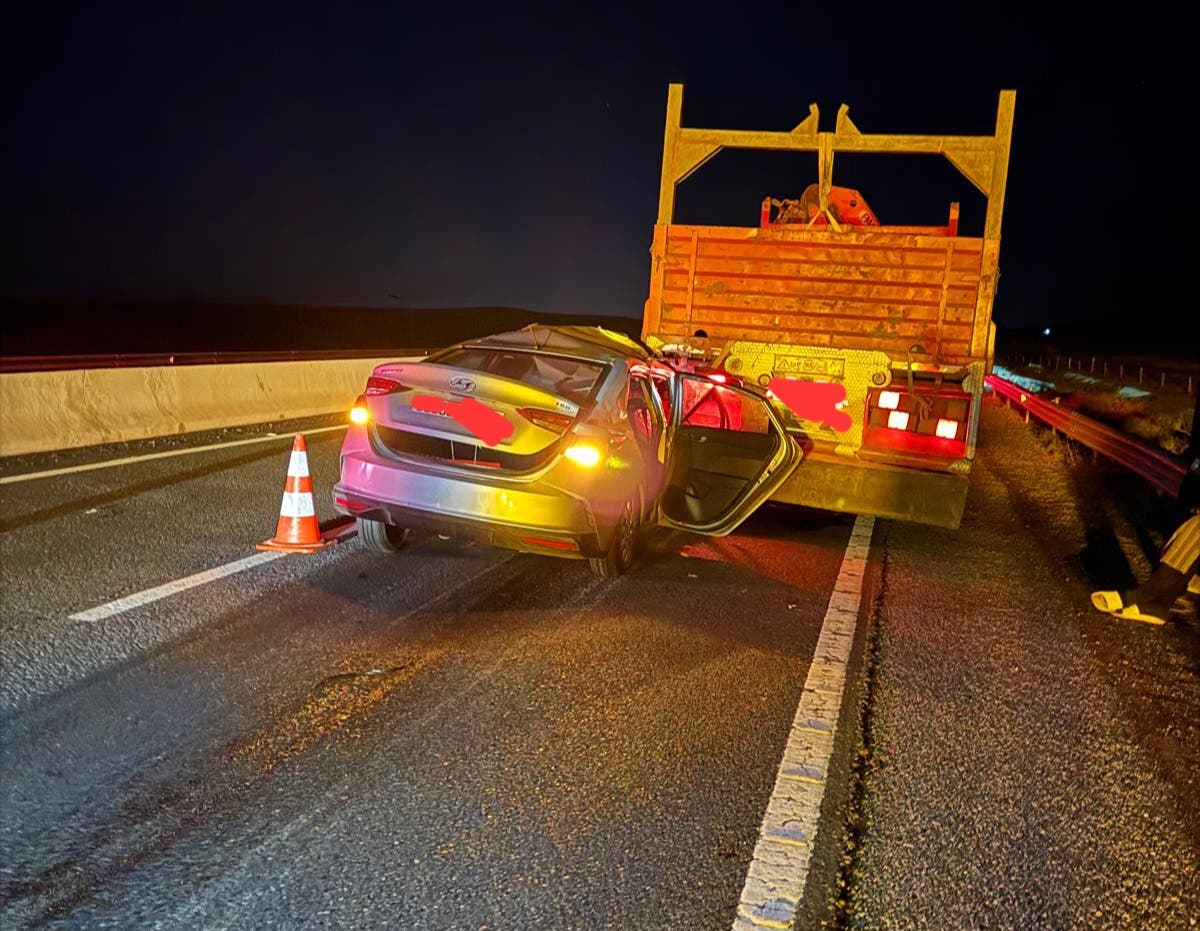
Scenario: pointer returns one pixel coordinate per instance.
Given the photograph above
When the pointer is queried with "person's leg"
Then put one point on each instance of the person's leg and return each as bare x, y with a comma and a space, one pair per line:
1182, 551
1151, 601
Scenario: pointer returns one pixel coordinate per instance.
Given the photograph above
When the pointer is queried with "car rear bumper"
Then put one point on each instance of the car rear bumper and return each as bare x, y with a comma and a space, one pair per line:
533, 516
549, 541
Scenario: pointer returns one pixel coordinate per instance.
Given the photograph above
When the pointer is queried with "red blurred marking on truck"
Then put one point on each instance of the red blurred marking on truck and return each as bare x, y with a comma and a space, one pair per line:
813, 400
485, 423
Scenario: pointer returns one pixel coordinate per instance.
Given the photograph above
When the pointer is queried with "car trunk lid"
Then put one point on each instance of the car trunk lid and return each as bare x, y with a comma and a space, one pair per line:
467, 417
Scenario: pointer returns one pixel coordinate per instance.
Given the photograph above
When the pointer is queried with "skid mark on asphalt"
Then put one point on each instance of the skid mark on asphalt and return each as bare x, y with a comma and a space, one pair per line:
329, 707
155, 817
225, 888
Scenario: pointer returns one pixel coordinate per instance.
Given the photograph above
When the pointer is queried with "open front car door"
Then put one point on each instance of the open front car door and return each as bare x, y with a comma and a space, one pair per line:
727, 452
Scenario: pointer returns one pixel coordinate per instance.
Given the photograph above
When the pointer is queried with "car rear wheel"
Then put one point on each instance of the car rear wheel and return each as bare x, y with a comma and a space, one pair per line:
379, 537
623, 547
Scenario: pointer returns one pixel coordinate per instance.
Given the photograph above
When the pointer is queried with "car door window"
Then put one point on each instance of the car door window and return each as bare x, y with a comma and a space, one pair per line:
662, 389
728, 453
643, 417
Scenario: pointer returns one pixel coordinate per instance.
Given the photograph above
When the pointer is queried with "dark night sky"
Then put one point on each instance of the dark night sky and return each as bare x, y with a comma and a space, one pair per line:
272, 154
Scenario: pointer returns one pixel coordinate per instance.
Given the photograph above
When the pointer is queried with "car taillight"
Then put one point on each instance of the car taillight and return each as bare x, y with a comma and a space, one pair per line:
548, 420
377, 384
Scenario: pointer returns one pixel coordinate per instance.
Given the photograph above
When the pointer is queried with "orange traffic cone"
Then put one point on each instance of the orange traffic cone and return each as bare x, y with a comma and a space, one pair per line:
297, 531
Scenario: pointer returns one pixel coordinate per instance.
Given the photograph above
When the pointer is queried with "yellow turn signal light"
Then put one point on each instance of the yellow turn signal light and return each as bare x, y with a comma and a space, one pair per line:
584, 454
359, 414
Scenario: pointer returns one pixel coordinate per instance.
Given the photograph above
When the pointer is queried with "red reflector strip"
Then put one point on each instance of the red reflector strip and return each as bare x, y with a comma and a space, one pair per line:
484, 463
346, 503
551, 544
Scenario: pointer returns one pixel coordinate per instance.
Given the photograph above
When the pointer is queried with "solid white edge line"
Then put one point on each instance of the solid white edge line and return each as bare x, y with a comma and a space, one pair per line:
778, 870
171, 588
110, 463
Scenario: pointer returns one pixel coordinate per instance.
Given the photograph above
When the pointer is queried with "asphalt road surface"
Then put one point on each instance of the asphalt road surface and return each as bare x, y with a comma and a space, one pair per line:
462, 738
453, 737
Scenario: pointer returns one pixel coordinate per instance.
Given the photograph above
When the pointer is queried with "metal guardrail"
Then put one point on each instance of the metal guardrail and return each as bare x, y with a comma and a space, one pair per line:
1161, 469
148, 359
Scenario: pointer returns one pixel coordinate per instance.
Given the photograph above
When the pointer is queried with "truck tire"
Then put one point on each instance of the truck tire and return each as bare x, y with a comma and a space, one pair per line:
379, 537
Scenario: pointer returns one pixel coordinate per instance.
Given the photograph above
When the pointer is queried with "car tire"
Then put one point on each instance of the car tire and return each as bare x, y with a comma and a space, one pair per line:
379, 537
623, 548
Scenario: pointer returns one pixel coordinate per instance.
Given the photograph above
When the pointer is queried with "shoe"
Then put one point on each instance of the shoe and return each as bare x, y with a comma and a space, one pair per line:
1108, 602
1111, 603
1146, 615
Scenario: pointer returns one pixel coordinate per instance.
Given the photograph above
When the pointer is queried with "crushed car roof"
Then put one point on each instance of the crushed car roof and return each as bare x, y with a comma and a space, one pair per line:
587, 342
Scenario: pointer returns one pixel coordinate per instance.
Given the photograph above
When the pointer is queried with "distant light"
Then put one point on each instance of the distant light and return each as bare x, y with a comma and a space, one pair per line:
359, 414
898, 420
1046, 332
889, 400
947, 429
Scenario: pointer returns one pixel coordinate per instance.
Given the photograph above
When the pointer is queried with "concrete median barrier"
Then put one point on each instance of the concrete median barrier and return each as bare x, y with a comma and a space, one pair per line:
46, 411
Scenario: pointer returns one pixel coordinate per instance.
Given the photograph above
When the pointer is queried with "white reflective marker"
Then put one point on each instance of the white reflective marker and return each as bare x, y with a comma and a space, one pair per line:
947, 429
297, 504
779, 868
298, 464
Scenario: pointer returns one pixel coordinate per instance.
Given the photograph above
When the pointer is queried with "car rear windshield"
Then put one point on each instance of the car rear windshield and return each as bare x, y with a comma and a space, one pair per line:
572, 379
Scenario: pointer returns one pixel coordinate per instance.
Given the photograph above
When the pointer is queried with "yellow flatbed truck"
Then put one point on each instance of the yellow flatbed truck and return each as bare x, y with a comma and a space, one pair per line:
900, 316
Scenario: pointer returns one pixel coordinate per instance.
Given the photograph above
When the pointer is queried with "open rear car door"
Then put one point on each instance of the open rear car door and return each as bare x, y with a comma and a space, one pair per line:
727, 453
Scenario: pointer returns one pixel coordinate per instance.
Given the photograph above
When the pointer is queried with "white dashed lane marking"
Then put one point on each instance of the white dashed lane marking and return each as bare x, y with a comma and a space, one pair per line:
171, 588
185, 451
779, 869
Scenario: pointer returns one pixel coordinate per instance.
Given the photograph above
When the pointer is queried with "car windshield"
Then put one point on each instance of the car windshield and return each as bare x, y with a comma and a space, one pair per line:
572, 379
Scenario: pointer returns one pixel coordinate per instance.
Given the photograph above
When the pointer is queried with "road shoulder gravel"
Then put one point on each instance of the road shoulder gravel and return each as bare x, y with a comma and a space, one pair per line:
1032, 762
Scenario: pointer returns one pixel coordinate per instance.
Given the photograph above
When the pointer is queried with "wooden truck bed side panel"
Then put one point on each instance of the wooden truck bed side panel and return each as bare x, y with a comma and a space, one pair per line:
879, 290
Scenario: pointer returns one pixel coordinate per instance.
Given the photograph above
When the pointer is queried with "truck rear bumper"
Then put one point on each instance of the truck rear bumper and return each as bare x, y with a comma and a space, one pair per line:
935, 498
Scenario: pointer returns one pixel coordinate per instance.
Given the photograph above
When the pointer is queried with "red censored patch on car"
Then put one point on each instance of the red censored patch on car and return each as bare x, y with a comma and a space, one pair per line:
485, 423
813, 400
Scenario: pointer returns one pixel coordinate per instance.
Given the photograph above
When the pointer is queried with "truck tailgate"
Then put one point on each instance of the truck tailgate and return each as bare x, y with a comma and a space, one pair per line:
885, 290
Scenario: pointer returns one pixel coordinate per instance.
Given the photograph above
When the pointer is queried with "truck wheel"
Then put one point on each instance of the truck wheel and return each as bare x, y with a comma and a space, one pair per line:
623, 547
379, 537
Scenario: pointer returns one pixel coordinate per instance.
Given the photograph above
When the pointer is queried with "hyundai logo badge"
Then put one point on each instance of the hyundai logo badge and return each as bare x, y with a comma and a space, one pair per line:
462, 383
